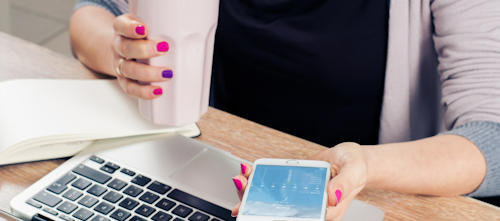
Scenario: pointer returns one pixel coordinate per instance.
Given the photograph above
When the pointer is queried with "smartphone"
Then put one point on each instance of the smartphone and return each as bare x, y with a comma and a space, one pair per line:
286, 190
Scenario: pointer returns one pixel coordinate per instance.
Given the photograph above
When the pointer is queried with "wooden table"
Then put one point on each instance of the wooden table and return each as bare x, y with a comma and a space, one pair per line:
243, 138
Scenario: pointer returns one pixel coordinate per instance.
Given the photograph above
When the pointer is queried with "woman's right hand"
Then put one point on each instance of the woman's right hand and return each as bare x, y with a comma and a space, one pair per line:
131, 43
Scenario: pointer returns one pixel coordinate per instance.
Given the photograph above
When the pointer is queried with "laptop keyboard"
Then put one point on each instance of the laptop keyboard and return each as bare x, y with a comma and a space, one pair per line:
93, 194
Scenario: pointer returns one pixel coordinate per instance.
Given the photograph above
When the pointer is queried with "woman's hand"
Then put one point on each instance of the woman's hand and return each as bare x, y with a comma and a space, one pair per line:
129, 44
349, 176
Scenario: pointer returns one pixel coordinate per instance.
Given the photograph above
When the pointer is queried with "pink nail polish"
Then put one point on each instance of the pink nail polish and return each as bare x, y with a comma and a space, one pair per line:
157, 91
237, 183
243, 168
140, 30
338, 194
162, 46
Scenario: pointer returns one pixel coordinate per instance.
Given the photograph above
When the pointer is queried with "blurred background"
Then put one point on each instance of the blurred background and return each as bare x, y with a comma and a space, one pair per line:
44, 22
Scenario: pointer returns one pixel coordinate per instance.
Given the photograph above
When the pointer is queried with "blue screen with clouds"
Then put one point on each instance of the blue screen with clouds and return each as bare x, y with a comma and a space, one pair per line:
286, 191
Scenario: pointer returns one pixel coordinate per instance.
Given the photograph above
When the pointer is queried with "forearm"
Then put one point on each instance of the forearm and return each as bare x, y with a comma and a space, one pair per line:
92, 34
439, 165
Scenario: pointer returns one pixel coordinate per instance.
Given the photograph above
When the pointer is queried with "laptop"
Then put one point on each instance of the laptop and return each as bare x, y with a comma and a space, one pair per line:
156, 178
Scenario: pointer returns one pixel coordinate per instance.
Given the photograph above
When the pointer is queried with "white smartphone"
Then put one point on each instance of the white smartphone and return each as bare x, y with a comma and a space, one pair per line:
286, 190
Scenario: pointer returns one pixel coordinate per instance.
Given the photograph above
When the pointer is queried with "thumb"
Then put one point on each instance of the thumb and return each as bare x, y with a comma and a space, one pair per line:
338, 188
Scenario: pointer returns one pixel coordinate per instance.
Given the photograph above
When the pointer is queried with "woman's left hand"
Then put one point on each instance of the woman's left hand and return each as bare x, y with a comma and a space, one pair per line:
349, 176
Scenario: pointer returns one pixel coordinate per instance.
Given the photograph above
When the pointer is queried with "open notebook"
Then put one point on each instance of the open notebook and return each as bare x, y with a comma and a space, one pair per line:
44, 119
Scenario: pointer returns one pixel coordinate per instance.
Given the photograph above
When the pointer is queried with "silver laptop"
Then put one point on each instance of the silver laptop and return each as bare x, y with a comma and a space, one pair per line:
145, 178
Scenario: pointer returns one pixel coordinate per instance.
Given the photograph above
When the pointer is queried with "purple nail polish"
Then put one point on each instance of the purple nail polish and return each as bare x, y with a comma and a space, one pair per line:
167, 74
162, 46
338, 194
140, 30
237, 183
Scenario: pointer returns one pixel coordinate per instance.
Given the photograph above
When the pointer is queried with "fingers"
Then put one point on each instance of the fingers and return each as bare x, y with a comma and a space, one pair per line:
240, 182
130, 27
135, 89
246, 170
140, 49
235, 210
143, 72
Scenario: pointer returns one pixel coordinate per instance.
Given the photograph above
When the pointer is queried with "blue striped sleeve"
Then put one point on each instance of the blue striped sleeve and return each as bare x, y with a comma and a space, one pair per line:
110, 5
486, 136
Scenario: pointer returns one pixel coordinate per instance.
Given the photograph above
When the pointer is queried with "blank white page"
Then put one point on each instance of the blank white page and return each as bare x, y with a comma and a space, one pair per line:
34, 108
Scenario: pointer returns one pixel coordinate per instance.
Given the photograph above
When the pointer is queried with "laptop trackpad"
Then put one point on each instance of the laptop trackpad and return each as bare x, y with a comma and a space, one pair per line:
209, 177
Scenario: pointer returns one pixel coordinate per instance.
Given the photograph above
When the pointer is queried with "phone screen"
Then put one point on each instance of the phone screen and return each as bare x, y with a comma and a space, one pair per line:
286, 191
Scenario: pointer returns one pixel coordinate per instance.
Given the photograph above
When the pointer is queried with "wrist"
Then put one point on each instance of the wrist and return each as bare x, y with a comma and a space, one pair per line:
373, 166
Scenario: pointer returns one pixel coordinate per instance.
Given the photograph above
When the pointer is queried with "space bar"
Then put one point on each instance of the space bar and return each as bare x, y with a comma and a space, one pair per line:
201, 204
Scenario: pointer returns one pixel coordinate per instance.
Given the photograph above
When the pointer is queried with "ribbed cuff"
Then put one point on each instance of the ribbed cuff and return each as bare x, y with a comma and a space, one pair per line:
106, 4
486, 136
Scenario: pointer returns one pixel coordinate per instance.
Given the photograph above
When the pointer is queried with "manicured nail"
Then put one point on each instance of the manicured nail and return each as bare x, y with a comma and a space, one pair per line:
243, 169
237, 183
158, 91
167, 74
162, 46
338, 194
140, 30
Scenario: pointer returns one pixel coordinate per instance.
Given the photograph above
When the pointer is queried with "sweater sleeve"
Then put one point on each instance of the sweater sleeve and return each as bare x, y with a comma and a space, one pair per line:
116, 7
467, 42
486, 136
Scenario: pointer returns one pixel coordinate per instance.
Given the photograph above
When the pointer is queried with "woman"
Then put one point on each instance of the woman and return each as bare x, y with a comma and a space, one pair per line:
333, 71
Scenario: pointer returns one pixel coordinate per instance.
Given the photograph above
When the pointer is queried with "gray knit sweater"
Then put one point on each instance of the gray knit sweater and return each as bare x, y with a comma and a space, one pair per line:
421, 38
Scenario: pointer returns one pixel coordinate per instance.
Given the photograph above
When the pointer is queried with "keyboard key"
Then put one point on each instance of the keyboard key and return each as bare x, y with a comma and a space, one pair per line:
128, 172
132, 191
47, 199
178, 219
165, 204
104, 208
67, 218
161, 216
96, 159
66, 179
107, 169
83, 214
117, 184
145, 210
158, 187
197, 216
56, 188
92, 174
214, 219
149, 197
182, 211
72, 194
99, 218
113, 196
136, 218
141, 180
129, 204
34, 203
88, 201
67, 207
97, 190
81, 183
120, 215
50, 211
112, 166
200, 204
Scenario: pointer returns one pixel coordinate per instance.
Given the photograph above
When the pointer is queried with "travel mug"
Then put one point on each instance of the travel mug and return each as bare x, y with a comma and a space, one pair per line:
189, 28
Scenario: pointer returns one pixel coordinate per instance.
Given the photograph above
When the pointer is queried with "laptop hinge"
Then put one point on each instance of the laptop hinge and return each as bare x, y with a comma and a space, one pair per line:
39, 217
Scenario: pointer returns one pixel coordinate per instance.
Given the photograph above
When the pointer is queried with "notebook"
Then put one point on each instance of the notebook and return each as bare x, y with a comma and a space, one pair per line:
45, 119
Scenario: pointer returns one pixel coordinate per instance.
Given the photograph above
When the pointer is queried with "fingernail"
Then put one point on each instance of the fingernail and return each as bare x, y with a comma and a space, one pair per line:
162, 46
237, 183
158, 91
140, 30
167, 74
243, 168
338, 194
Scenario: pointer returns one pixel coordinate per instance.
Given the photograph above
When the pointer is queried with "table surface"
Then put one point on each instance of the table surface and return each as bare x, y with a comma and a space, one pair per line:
243, 138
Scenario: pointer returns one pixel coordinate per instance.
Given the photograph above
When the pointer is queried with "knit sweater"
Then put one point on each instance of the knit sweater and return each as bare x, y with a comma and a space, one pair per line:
442, 74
